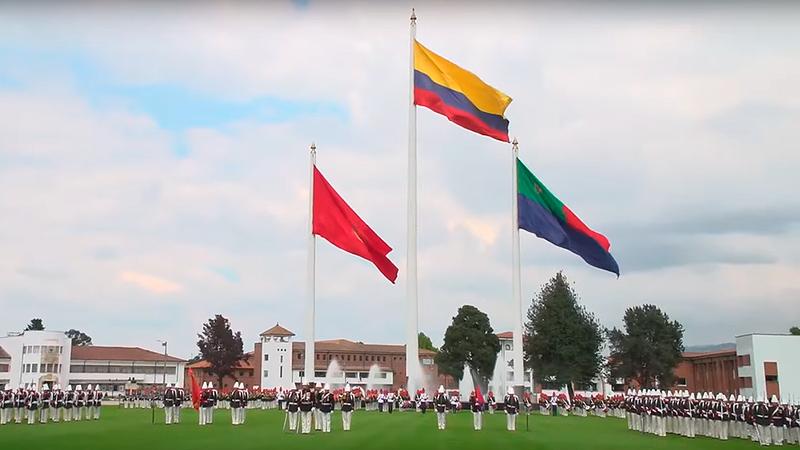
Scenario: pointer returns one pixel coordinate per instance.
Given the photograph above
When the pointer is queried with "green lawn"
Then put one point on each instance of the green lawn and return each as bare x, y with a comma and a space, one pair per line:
132, 429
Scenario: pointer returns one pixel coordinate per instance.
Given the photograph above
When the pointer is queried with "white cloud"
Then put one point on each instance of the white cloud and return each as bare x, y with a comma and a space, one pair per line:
150, 283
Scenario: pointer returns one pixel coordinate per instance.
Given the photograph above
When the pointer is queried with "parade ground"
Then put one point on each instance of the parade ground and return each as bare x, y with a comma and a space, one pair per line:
132, 429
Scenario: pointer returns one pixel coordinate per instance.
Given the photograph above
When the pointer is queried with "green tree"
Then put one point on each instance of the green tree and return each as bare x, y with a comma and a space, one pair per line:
648, 349
425, 342
221, 347
563, 338
35, 325
78, 337
794, 331
470, 341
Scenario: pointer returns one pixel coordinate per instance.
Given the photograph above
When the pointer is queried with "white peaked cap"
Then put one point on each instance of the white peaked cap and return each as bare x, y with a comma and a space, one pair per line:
33, 388
441, 389
750, 399
347, 387
45, 388
256, 387
774, 399
236, 385
69, 388
732, 399
720, 396
510, 390
327, 387
8, 387
96, 387
211, 385
740, 398
691, 396
89, 387
205, 385
23, 386
78, 388
669, 393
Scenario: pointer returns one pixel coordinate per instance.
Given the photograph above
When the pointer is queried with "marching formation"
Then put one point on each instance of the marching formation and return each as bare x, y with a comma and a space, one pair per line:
717, 416
31, 405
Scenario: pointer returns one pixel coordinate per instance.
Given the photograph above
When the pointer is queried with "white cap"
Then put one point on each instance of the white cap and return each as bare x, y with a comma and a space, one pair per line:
69, 388
774, 399
732, 399
347, 387
45, 388
441, 389
510, 390
96, 387
89, 387
211, 385
327, 387
33, 388
691, 396
78, 388
750, 399
205, 385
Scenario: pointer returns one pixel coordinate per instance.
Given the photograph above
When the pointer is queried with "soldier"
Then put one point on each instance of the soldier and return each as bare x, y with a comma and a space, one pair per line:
57, 403
440, 403
390, 399
348, 404
69, 403
6, 404
381, 401
788, 413
205, 403
44, 403
292, 406
169, 404
214, 402
98, 402
326, 408
491, 403
180, 396
32, 404
512, 408
476, 405
236, 403
776, 419
795, 425
281, 397
761, 414
89, 393
306, 408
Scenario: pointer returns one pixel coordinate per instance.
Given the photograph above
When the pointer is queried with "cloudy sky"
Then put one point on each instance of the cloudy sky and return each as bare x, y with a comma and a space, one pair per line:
153, 163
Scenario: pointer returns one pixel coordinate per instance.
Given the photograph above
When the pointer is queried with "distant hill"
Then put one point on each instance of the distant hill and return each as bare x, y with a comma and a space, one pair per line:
711, 347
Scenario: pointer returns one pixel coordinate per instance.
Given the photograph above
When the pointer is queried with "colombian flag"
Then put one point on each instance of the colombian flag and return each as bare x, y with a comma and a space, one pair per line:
458, 94
542, 214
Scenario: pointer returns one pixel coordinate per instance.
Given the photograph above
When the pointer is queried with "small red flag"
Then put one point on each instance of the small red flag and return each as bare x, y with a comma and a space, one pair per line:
479, 395
195, 390
334, 220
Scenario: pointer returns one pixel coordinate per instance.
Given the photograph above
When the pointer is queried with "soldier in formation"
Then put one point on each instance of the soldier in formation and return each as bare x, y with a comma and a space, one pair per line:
511, 402
348, 404
440, 403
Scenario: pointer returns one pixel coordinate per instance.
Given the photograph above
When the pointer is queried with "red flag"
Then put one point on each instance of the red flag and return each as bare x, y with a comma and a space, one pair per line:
479, 395
195, 390
334, 220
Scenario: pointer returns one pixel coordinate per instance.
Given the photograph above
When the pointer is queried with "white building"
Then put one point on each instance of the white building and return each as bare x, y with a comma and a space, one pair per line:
769, 364
36, 357
276, 357
503, 376
48, 357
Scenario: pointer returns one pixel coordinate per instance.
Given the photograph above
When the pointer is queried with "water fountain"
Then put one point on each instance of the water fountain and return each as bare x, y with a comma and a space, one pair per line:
466, 385
334, 375
374, 370
498, 382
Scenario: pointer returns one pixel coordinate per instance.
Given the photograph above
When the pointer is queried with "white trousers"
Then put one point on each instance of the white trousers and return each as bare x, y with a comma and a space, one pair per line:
477, 420
176, 415
317, 419
326, 422
777, 435
292, 421
31, 417
441, 420
203, 416
96, 413
347, 419
764, 434
305, 419
511, 422
4, 416
168, 415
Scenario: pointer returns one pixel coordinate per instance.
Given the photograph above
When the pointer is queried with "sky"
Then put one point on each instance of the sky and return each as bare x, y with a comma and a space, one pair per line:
154, 163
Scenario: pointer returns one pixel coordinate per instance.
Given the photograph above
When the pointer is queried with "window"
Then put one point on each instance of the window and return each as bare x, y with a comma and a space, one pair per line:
266, 374
319, 374
384, 359
360, 358
266, 357
241, 373
34, 368
768, 378
350, 374
510, 376
3, 367
281, 359
508, 347
427, 361
363, 375
348, 357
24, 349
35, 349
27, 368
301, 373
743, 360
380, 375
745, 382
280, 372
681, 381
317, 356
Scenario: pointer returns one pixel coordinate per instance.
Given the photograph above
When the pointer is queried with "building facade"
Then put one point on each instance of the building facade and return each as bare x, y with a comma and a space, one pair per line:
768, 364
48, 357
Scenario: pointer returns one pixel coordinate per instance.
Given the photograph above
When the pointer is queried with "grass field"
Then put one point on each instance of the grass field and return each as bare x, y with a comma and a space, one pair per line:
132, 429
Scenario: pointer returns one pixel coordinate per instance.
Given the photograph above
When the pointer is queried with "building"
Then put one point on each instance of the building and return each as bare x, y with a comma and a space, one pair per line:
761, 365
277, 360
503, 376
768, 364
39, 357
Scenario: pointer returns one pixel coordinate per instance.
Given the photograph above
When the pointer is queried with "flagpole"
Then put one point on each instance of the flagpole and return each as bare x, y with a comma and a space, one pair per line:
516, 290
310, 317
412, 305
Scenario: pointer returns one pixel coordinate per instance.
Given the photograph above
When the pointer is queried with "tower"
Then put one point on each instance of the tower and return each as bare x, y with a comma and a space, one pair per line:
276, 358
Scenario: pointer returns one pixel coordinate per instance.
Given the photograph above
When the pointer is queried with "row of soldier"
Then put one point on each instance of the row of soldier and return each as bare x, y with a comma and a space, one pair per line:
31, 405
716, 416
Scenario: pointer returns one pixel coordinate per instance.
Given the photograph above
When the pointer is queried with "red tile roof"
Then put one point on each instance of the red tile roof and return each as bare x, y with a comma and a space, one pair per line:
715, 354
506, 335
344, 345
3, 354
277, 330
104, 353
246, 363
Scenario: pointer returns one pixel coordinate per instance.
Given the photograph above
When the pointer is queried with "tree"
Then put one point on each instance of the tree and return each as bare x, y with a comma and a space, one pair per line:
35, 325
425, 342
563, 340
220, 346
794, 331
469, 340
648, 349
78, 337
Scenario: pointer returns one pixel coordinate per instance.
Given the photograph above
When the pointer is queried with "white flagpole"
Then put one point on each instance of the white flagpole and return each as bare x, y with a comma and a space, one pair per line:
412, 305
516, 290
310, 318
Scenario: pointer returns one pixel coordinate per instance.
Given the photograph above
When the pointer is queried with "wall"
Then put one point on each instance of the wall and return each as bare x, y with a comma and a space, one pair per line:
782, 349
59, 346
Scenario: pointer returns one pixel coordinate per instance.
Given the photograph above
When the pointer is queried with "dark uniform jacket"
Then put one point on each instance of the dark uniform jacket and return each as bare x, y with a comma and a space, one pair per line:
306, 401
293, 401
512, 404
348, 400
326, 402
169, 397
441, 402
474, 405
761, 413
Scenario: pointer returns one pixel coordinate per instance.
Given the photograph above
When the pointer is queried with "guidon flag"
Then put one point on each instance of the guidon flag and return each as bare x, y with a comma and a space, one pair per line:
543, 214
333, 219
459, 95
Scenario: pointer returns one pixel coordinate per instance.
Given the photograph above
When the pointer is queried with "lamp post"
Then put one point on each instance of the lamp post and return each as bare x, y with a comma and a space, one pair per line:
164, 373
